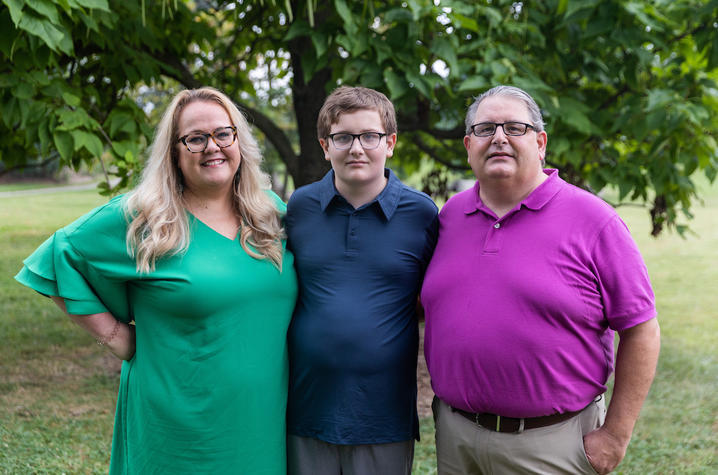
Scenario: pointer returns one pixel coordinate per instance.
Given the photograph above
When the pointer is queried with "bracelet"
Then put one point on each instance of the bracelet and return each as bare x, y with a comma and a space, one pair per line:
103, 341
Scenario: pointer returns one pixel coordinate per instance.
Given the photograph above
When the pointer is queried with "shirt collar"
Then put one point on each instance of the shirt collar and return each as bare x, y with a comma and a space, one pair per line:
536, 200
388, 199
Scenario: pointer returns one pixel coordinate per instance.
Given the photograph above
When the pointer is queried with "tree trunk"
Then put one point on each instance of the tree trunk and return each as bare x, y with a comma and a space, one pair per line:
308, 100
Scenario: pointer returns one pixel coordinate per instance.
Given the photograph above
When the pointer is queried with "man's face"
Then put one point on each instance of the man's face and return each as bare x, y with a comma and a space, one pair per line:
505, 157
356, 166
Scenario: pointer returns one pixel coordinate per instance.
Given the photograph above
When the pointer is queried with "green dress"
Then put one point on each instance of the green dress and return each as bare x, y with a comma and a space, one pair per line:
206, 391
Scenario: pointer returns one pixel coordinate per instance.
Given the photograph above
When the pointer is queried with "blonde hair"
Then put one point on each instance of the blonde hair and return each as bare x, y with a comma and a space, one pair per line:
156, 210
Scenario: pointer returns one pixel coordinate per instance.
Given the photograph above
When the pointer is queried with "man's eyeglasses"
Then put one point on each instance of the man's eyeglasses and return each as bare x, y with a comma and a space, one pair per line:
487, 129
368, 140
197, 143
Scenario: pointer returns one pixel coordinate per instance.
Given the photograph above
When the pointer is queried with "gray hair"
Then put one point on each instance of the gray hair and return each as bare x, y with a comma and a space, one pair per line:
512, 92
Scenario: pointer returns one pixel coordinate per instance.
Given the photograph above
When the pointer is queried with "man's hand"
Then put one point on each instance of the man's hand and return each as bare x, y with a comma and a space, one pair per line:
604, 450
635, 367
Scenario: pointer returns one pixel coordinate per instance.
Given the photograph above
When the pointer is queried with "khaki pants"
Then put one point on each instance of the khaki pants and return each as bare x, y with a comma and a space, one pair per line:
464, 448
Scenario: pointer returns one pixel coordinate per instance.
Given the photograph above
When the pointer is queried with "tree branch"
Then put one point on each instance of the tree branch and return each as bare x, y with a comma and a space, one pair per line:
424, 147
25, 166
416, 124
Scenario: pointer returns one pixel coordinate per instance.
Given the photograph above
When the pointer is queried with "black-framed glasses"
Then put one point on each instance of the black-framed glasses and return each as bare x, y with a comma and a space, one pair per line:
368, 140
197, 143
487, 129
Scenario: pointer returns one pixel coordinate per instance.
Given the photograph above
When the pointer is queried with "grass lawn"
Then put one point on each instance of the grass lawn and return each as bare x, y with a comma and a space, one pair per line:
57, 388
33, 185
23, 186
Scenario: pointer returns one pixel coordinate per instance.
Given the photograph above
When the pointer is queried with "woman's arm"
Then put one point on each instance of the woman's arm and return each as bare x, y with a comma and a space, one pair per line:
118, 337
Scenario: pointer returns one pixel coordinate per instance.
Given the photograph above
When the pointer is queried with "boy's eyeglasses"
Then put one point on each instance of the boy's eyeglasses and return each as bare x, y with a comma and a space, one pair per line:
368, 140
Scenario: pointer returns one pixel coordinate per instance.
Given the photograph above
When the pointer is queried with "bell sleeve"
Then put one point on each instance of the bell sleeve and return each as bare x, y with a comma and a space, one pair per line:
86, 264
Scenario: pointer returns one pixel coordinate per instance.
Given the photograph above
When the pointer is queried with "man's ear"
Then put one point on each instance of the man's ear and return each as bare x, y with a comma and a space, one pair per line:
390, 144
325, 146
542, 140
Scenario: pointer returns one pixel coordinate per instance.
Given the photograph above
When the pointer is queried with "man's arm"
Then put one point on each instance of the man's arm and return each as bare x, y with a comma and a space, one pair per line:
636, 361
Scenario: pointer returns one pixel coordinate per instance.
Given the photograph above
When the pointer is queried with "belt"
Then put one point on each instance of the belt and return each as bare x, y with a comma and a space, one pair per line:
498, 423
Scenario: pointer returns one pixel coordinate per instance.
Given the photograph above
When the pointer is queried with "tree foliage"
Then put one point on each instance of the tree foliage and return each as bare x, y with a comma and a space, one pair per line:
628, 89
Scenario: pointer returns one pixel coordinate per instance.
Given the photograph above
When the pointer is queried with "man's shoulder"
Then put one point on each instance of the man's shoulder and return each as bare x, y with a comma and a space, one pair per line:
305, 195
459, 201
418, 198
586, 202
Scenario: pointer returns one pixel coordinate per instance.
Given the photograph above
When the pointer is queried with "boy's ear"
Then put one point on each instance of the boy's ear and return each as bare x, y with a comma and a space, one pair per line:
325, 146
390, 143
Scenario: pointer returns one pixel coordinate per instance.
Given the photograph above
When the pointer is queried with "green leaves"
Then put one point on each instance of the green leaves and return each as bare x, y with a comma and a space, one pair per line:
444, 49
45, 8
51, 35
52, 100
88, 141
95, 4
64, 143
15, 8
396, 84
627, 88
574, 114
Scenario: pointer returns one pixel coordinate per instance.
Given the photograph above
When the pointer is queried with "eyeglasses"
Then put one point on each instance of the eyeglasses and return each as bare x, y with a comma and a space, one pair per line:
223, 137
487, 129
368, 140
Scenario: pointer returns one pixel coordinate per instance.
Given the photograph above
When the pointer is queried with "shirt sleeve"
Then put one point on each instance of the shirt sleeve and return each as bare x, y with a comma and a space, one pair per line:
431, 232
624, 284
82, 266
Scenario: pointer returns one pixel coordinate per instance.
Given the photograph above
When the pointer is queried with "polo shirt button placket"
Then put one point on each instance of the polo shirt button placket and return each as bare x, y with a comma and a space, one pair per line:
351, 238
493, 240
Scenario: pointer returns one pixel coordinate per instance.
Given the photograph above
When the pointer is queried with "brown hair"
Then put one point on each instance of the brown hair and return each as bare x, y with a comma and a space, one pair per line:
345, 99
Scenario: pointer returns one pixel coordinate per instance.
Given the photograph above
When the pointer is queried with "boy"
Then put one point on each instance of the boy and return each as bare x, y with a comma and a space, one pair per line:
361, 241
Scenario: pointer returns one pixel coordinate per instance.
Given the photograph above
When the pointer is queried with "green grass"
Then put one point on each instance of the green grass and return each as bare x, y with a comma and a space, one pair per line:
57, 388
32, 185
677, 432
23, 186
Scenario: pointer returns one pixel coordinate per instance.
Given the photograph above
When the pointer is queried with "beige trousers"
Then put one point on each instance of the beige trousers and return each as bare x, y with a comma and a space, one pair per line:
463, 448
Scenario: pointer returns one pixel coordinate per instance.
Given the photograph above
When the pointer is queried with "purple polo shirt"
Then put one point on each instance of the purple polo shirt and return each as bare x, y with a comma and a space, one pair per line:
520, 311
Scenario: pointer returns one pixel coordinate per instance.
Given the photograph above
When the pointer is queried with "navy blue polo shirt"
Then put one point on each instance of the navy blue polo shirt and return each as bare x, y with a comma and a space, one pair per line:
354, 336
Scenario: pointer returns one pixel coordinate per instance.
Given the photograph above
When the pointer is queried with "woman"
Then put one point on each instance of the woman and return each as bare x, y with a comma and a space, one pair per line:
195, 257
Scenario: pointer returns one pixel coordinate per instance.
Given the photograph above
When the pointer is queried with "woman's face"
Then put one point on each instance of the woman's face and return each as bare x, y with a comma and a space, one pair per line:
212, 170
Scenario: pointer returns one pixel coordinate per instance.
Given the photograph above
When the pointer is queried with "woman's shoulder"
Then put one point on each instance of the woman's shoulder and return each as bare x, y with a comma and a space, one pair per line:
280, 205
106, 220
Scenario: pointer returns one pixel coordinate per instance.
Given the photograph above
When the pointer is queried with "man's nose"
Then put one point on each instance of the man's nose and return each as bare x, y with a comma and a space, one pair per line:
356, 146
499, 135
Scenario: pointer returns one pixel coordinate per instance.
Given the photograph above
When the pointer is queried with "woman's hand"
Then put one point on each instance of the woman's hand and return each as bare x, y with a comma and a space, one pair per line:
118, 337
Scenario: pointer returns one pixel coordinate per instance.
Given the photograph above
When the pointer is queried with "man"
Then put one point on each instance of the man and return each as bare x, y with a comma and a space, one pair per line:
529, 280
361, 241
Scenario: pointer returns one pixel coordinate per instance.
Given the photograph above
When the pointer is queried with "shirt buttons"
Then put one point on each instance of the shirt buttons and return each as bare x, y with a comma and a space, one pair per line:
497, 225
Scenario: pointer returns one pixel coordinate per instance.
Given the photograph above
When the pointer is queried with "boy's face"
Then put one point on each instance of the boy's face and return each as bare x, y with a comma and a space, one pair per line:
357, 168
